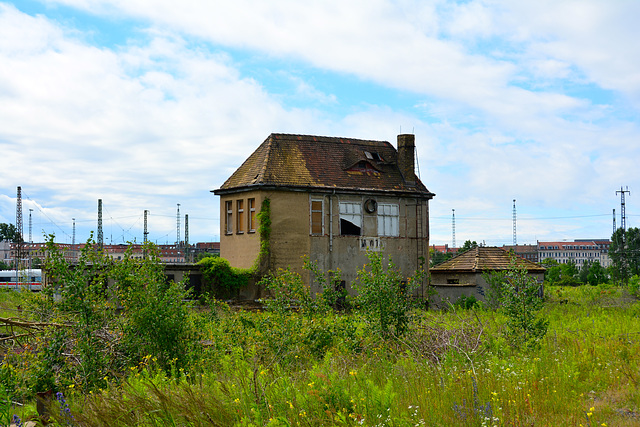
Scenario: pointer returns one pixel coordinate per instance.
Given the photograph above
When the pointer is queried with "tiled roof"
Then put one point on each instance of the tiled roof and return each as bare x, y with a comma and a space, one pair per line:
481, 259
307, 161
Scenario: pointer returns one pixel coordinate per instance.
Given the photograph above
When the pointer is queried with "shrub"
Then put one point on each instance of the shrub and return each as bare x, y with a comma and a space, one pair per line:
384, 297
520, 301
220, 279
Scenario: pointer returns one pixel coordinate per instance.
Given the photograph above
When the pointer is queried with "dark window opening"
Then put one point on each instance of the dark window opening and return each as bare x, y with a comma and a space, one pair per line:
373, 156
347, 228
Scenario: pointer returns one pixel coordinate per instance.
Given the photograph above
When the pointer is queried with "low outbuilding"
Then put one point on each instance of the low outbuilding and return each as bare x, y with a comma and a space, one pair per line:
464, 274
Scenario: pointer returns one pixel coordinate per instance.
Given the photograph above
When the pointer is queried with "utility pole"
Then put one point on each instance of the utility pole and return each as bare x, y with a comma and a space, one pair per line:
18, 237
186, 238
623, 220
30, 227
73, 240
178, 227
100, 235
614, 220
146, 233
623, 216
515, 240
453, 228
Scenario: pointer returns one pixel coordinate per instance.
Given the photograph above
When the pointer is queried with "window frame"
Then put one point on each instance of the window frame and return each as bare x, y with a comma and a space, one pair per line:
228, 218
313, 223
251, 218
343, 208
388, 220
240, 216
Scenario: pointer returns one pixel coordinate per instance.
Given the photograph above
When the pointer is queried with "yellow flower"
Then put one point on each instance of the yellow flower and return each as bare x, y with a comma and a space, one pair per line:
353, 373
290, 404
592, 409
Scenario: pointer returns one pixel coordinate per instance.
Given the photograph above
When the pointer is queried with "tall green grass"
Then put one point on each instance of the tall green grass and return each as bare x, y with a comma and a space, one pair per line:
257, 369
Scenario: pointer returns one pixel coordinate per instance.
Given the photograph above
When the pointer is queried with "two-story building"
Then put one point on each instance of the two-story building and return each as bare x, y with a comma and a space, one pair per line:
331, 199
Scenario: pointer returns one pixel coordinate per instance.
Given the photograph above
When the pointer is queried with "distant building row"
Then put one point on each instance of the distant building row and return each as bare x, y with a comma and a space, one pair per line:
168, 253
577, 251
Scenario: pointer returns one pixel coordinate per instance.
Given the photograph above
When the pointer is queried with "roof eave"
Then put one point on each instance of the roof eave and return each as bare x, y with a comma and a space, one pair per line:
420, 194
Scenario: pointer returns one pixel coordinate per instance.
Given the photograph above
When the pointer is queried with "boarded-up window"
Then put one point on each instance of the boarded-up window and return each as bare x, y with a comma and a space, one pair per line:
316, 217
388, 219
240, 216
350, 219
228, 221
252, 215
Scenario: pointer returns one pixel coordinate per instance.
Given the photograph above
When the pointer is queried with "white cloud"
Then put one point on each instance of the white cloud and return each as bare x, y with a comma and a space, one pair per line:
500, 116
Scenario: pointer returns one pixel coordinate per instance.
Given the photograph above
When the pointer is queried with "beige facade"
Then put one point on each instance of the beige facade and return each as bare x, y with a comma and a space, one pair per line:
309, 224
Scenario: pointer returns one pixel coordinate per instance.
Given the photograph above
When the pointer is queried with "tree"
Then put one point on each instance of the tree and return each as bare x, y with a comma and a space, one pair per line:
597, 274
10, 232
583, 274
519, 299
437, 257
468, 245
625, 253
4, 266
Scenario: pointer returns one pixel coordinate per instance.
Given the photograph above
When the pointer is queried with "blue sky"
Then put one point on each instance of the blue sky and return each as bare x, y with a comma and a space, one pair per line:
147, 106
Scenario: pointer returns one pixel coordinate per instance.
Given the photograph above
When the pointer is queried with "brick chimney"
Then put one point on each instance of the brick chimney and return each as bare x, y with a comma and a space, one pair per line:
406, 157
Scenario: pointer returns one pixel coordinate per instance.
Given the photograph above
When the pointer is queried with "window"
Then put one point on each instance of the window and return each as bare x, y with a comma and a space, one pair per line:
252, 215
228, 222
316, 217
388, 219
350, 218
240, 216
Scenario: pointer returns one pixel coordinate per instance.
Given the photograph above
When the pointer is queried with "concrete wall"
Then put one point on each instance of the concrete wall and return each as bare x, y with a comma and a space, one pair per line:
469, 284
333, 251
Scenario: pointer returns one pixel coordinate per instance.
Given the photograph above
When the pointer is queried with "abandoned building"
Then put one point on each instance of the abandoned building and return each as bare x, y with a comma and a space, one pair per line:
331, 199
463, 275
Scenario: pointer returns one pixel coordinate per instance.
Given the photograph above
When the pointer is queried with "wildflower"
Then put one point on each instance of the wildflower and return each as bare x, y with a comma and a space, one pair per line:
16, 421
290, 404
353, 373
311, 384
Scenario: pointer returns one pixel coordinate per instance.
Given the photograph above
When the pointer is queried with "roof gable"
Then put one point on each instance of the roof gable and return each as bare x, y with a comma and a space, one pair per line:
285, 160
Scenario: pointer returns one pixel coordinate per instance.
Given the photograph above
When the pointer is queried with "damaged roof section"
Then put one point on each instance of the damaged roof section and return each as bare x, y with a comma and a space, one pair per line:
306, 161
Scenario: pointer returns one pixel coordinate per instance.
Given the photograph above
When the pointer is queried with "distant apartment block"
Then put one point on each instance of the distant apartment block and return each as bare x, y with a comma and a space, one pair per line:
167, 253
578, 251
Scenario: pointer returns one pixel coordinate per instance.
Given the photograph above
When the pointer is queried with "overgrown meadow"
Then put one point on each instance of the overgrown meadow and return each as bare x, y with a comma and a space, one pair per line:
113, 344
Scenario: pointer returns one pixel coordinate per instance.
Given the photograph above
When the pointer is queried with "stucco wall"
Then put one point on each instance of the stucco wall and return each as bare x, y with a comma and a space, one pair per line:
240, 249
291, 236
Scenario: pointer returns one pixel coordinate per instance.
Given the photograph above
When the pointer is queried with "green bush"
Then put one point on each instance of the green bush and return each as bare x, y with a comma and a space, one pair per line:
220, 279
520, 302
384, 295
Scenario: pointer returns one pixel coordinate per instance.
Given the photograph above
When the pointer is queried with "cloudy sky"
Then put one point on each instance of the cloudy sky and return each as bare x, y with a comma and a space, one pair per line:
147, 104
